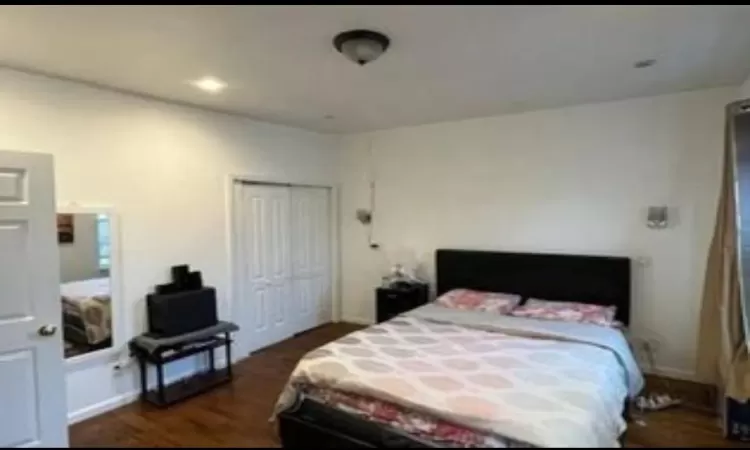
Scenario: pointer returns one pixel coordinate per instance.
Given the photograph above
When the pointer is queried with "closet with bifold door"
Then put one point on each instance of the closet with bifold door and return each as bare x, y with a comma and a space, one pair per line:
281, 239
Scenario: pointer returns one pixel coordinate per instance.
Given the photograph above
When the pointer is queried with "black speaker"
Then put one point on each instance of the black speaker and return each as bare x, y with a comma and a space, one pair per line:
194, 280
180, 275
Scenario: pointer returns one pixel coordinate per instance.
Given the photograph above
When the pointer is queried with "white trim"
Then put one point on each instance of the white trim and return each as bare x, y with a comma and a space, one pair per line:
102, 407
230, 226
335, 253
336, 303
117, 401
256, 178
229, 229
358, 320
115, 281
678, 374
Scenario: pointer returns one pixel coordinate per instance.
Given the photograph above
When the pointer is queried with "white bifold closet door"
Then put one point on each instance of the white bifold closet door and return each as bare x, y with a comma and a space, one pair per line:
282, 242
311, 275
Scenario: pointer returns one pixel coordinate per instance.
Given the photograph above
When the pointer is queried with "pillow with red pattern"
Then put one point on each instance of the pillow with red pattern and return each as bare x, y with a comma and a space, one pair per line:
467, 299
567, 311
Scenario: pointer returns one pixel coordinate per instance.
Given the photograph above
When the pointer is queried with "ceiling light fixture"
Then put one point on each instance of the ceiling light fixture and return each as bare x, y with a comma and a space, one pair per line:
209, 84
361, 46
644, 63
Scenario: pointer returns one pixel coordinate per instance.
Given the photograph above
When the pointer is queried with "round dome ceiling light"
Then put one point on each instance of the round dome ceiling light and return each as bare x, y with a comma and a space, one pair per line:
642, 64
361, 46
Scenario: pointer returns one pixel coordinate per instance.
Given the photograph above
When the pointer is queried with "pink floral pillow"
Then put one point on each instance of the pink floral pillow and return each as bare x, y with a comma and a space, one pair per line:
568, 312
466, 299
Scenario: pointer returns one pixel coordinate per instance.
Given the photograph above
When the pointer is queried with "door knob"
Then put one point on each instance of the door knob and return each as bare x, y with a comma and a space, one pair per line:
47, 330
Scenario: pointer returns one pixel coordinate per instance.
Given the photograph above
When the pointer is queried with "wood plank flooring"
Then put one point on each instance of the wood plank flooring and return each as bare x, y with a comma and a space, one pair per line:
236, 415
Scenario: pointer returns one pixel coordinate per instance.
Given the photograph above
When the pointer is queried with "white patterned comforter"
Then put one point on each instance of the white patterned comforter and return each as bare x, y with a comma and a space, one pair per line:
550, 384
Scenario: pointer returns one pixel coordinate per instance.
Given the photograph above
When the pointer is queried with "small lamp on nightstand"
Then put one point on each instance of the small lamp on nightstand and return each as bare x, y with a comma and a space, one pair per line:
401, 263
398, 274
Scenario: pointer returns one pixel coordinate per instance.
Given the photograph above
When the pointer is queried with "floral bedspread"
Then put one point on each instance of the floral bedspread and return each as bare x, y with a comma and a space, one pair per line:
410, 421
503, 378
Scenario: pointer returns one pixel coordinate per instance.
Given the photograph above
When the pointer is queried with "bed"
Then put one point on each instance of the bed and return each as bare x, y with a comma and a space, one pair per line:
87, 315
436, 378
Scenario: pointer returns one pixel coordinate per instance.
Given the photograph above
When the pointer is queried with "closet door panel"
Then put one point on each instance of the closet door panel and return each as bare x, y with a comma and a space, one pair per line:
310, 261
263, 243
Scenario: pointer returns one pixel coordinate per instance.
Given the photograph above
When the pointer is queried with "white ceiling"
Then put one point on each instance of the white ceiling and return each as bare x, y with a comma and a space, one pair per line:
445, 62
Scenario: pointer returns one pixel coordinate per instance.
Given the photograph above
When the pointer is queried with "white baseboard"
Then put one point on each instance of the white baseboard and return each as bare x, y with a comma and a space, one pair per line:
679, 374
102, 407
128, 397
358, 320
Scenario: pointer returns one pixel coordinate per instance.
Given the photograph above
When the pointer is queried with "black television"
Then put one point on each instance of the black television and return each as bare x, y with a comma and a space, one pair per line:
176, 313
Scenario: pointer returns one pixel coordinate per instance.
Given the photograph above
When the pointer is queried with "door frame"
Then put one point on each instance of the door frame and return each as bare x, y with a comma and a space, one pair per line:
334, 230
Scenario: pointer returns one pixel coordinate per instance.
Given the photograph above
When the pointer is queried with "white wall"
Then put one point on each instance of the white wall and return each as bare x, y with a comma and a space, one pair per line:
745, 89
79, 260
164, 169
575, 180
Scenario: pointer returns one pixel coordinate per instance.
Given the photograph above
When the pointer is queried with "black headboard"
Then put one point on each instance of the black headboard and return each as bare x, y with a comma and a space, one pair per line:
601, 280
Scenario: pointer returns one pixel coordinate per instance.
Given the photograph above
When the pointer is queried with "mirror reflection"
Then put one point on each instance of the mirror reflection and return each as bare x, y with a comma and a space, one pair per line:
85, 264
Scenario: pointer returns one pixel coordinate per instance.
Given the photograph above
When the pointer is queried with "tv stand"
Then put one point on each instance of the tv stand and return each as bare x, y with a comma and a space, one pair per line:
149, 349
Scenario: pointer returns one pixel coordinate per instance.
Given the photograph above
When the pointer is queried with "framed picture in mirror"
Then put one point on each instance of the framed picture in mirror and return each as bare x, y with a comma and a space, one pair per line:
65, 229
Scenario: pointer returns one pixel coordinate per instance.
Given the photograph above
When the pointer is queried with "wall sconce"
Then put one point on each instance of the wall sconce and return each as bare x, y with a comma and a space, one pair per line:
364, 216
657, 218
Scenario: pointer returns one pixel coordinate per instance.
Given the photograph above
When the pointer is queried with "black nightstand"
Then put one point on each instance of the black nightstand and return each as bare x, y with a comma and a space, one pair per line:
392, 301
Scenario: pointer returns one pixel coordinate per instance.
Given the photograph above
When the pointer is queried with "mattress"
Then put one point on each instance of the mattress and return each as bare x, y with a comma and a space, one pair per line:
478, 379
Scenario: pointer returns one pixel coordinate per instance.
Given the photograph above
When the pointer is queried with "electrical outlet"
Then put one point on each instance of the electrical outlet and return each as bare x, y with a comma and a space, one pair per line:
636, 343
652, 345
643, 261
121, 364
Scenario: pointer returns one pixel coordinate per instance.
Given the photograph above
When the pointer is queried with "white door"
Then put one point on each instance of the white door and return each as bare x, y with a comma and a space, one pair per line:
262, 236
32, 377
311, 275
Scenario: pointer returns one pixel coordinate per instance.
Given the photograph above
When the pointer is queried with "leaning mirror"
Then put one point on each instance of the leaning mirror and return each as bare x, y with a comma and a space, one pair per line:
85, 240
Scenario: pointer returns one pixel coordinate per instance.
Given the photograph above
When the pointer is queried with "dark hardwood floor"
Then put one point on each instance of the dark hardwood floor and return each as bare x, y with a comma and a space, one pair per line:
237, 414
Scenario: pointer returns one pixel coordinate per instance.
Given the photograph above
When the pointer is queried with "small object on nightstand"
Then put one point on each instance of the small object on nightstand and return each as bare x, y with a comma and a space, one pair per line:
399, 298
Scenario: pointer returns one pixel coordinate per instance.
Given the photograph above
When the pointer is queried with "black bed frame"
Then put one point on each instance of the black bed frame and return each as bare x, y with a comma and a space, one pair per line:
601, 280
